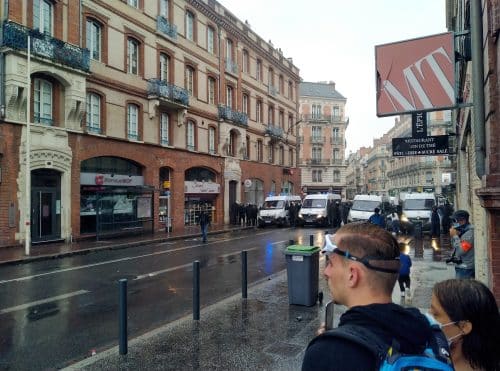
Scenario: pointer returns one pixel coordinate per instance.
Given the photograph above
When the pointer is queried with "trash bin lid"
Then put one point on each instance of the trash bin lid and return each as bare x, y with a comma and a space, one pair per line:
302, 249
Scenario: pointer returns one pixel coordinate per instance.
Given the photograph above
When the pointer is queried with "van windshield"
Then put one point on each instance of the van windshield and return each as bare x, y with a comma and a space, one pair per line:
365, 205
421, 204
311, 203
275, 204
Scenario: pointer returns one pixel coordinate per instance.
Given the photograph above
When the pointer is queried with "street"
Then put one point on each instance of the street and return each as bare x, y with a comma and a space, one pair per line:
61, 310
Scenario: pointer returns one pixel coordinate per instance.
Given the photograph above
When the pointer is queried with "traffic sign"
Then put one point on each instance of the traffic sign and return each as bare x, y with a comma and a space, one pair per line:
427, 146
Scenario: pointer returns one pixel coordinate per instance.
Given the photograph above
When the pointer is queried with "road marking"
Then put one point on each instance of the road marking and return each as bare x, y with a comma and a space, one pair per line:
43, 301
26, 278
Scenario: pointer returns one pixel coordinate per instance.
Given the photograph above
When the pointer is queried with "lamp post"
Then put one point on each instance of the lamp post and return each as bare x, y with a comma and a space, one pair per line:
27, 224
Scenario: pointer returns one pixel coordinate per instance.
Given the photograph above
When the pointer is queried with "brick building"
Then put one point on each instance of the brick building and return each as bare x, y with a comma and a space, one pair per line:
142, 113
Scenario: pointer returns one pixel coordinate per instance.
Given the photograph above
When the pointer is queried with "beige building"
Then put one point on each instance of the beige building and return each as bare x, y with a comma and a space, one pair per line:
322, 138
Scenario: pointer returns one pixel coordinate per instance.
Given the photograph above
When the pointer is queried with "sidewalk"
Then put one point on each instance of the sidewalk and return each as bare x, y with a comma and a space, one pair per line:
16, 255
262, 332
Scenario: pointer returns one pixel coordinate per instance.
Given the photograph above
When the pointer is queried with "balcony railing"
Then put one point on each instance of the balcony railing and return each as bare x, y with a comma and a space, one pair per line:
317, 161
317, 140
169, 91
227, 113
231, 66
93, 129
274, 131
336, 140
43, 120
165, 27
321, 118
16, 36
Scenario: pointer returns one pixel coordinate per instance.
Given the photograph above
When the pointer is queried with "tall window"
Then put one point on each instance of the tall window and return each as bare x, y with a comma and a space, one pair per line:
281, 84
258, 75
211, 90
229, 50
164, 66
134, 3
246, 61
271, 153
316, 132
43, 14
290, 124
290, 157
132, 56
317, 176
132, 122
270, 77
336, 133
270, 115
336, 155
93, 113
190, 132
229, 96
281, 155
189, 80
336, 176
316, 111
164, 129
189, 26
164, 8
290, 90
281, 120
259, 150
211, 140
258, 111
316, 154
93, 34
247, 149
210, 40
42, 102
244, 103
336, 112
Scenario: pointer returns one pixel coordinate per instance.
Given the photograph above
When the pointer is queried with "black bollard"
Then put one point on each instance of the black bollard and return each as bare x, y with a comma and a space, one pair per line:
123, 317
291, 242
311, 240
244, 283
196, 290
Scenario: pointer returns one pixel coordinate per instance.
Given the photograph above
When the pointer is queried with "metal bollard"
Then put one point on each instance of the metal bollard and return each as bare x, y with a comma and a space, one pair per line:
291, 242
244, 283
123, 345
196, 290
311, 240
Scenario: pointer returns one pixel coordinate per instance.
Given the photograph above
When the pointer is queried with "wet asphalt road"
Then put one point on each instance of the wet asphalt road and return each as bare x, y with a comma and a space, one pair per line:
55, 312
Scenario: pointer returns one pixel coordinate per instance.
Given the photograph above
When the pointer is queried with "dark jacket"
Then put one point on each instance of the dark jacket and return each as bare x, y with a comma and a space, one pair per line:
405, 261
377, 219
204, 219
389, 321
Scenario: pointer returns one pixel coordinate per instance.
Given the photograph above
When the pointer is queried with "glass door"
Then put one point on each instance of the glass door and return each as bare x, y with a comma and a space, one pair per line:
45, 215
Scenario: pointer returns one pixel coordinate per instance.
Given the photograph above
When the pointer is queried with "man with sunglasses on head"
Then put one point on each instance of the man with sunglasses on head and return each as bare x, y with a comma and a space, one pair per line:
361, 270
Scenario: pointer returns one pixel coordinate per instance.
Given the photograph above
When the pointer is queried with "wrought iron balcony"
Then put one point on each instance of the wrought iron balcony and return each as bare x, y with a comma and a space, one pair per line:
93, 129
171, 92
165, 27
16, 36
317, 161
321, 118
274, 131
227, 113
231, 66
336, 140
317, 140
38, 119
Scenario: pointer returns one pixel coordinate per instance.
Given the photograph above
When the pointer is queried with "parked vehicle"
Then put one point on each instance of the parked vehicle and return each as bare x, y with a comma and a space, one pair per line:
417, 209
363, 206
275, 210
315, 208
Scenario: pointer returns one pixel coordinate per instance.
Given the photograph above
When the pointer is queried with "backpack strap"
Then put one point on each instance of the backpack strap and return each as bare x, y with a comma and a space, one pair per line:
362, 336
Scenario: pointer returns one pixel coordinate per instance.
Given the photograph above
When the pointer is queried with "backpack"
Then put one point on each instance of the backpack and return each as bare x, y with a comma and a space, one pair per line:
435, 357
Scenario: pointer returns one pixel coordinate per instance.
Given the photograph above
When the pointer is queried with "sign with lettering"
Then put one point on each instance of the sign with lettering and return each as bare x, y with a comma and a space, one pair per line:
111, 180
427, 146
415, 75
201, 187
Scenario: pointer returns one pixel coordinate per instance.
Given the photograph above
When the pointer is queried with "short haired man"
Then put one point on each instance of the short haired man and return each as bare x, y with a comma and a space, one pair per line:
462, 241
361, 271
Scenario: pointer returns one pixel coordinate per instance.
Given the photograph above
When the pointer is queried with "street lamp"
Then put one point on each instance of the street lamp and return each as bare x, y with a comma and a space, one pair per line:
27, 224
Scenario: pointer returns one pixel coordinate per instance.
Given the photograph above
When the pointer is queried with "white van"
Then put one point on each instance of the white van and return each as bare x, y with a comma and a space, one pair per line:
275, 210
315, 208
363, 206
417, 208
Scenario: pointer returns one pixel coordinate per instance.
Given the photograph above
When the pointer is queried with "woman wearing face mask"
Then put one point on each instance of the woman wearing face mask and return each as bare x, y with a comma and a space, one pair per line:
469, 317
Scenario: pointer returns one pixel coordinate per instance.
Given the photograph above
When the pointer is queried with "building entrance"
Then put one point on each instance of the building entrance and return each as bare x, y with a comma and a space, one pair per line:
45, 205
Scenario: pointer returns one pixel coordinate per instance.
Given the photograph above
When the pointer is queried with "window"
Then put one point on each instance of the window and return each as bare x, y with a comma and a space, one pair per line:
190, 133
134, 3
189, 80
229, 50
316, 154
93, 113
259, 150
316, 111
211, 90
290, 157
282, 156
258, 72
336, 176
42, 112
290, 124
93, 35
336, 112
232, 143
336, 133
164, 8
164, 66
43, 16
282, 120
211, 140
336, 155
164, 129
133, 56
270, 115
317, 176
270, 77
271, 154
244, 103
229, 96
281, 85
210, 40
316, 132
246, 61
290, 90
258, 111
132, 122
247, 149
189, 26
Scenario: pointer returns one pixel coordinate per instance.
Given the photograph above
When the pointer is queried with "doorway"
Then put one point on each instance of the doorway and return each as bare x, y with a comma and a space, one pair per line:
45, 205
233, 210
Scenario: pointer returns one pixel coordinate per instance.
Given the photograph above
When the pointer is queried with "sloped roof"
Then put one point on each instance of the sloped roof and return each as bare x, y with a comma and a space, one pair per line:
319, 89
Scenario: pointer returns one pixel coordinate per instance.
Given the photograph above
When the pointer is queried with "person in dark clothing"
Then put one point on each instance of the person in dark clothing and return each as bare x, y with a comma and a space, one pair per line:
292, 214
345, 212
242, 214
337, 216
404, 272
435, 227
376, 218
358, 253
204, 223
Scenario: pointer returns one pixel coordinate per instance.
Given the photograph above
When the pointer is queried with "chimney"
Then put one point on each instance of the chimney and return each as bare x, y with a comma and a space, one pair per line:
332, 84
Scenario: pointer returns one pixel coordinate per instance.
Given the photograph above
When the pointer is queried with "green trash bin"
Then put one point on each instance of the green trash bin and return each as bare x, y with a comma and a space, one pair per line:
302, 270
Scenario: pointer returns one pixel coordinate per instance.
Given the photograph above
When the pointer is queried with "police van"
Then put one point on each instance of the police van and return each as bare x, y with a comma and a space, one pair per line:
315, 208
275, 210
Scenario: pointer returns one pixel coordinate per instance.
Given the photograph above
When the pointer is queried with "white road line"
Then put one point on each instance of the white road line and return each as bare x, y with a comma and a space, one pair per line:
43, 301
26, 278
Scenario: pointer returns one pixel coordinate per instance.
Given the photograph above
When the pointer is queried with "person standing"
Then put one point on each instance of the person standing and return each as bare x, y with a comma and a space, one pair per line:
435, 227
462, 241
204, 223
404, 272
376, 218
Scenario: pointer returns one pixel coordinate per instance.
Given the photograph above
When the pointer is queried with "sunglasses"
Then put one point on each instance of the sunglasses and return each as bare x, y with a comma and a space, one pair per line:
372, 262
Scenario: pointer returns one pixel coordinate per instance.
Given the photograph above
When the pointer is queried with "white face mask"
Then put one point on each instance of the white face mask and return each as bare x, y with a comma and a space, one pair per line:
433, 321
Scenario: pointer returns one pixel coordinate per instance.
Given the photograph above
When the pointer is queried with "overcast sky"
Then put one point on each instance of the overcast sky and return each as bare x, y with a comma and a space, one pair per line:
335, 40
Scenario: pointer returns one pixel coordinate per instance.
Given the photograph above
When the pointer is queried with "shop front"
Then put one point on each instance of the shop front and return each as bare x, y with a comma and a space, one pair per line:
200, 196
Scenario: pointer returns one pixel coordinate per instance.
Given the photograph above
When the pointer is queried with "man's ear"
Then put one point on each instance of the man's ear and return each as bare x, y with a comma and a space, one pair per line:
354, 275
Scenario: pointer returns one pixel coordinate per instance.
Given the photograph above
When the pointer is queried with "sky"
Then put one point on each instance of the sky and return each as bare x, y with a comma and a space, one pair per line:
334, 40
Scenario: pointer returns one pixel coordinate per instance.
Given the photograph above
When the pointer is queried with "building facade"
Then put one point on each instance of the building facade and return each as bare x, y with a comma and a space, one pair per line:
141, 114
322, 138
